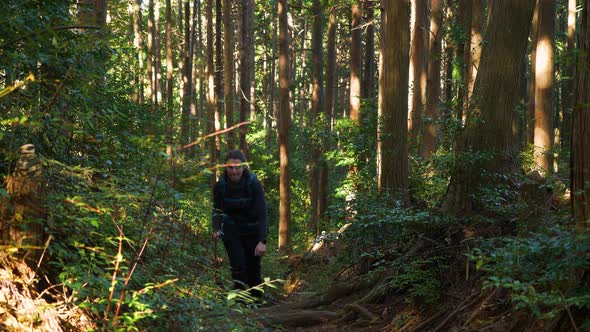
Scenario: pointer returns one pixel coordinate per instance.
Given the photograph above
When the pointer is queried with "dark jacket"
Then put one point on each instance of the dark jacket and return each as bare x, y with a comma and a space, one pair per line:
241, 204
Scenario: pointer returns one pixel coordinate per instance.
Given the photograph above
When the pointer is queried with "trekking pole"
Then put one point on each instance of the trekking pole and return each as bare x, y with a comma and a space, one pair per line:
215, 261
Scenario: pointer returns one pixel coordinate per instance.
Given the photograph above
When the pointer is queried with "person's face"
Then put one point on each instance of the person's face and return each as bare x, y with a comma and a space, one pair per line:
234, 169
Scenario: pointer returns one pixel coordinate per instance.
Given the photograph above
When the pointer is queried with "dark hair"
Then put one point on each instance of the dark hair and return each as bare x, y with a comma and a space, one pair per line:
235, 154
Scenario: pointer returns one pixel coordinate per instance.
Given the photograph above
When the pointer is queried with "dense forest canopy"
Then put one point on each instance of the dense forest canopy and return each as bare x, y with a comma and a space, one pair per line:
426, 163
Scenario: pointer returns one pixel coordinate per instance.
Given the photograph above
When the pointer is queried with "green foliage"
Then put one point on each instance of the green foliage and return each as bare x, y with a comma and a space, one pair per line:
382, 234
541, 271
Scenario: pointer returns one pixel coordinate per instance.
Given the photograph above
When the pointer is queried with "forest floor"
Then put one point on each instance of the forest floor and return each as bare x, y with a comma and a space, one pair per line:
353, 301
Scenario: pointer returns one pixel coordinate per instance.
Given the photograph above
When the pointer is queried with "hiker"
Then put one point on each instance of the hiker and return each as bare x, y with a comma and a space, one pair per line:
240, 220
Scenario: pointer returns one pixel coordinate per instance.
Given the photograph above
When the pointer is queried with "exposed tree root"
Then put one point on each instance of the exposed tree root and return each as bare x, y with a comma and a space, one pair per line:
298, 318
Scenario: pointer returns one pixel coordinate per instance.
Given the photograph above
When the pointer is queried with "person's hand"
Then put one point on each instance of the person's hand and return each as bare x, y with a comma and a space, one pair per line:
216, 235
260, 249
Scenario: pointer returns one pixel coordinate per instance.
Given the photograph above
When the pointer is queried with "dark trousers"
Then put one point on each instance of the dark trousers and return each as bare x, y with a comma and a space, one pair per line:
245, 267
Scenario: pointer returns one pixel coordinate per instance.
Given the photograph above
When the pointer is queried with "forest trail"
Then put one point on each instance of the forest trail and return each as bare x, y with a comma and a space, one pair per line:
357, 302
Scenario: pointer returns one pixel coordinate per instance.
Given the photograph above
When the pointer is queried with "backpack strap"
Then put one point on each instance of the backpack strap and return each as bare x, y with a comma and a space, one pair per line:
250, 184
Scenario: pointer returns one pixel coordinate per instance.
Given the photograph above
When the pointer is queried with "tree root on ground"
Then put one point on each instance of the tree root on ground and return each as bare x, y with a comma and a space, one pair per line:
298, 318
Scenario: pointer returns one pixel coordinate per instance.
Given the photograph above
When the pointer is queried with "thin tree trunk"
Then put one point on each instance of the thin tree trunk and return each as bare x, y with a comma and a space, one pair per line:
186, 76
218, 70
302, 104
138, 45
544, 84
476, 37
246, 52
317, 107
211, 100
228, 71
195, 77
169, 80
157, 57
433, 85
569, 71
150, 47
355, 62
581, 129
328, 104
272, 113
418, 69
532, 88
368, 84
283, 137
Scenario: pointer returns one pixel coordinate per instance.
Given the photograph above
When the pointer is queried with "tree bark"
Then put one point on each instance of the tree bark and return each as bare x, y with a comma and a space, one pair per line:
283, 137
247, 69
211, 96
228, 71
581, 128
157, 58
355, 62
368, 84
150, 52
433, 85
169, 79
392, 146
186, 76
218, 71
476, 37
544, 85
317, 107
418, 69
138, 45
490, 129
532, 88
569, 71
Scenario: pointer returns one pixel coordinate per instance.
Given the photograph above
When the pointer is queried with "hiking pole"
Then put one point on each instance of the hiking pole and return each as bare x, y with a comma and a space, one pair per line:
215, 261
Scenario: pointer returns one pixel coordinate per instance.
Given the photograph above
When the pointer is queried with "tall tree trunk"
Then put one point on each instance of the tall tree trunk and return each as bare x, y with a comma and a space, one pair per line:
283, 137
169, 80
462, 60
186, 76
331, 65
157, 53
544, 84
211, 100
272, 113
138, 45
328, 103
489, 131
247, 62
302, 104
392, 146
202, 61
418, 68
475, 38
150, 50
317, 107
218, 70
581, 128
355, 62
368, 85
195, 77
532, 88
228, 71
569, 72
433, 84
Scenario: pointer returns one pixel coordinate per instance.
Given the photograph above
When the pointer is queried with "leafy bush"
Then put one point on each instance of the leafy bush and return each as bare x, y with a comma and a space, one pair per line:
541, 271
